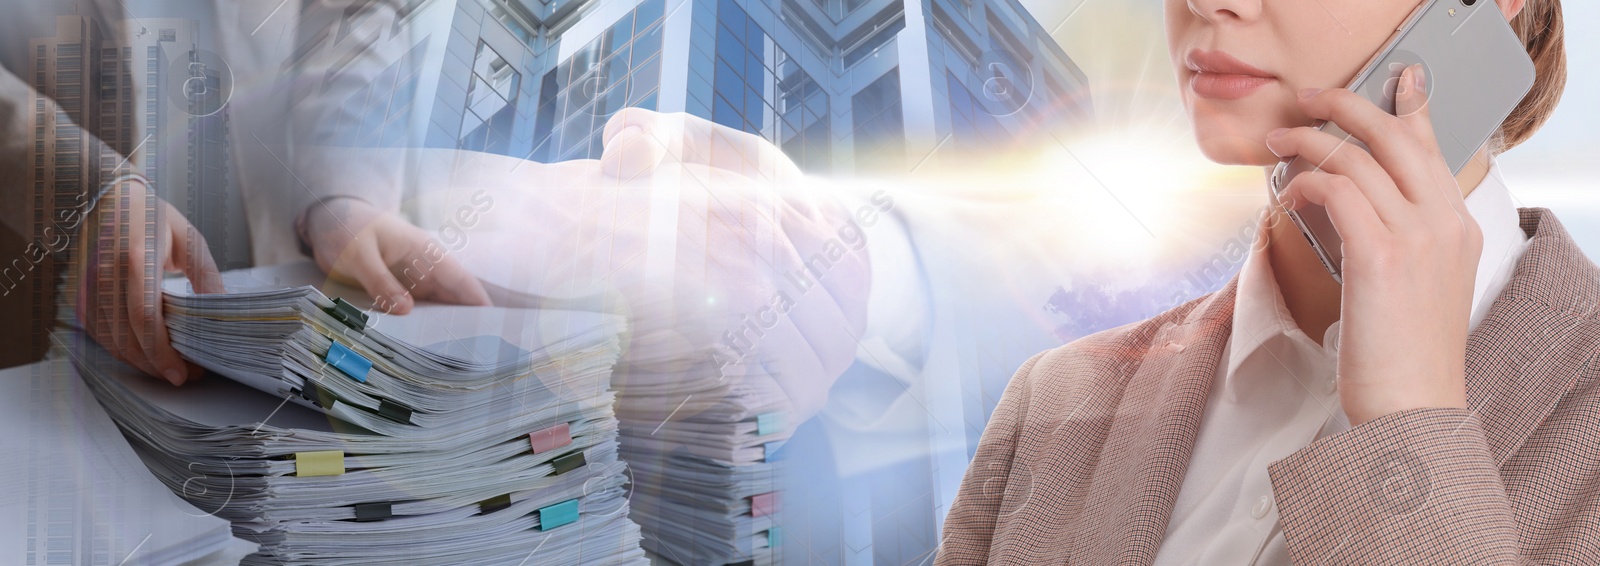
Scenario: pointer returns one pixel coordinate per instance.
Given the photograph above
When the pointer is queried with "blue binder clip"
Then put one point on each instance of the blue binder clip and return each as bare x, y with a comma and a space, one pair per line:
349, 362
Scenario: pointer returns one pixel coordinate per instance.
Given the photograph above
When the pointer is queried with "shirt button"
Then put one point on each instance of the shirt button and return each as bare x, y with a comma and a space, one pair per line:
1332, 386
1262, 505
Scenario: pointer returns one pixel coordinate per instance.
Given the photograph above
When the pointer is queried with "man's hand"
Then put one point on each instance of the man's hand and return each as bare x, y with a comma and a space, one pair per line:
396, 262
131, 240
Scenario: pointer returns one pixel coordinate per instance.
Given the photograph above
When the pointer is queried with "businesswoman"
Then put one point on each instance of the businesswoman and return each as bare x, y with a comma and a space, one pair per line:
1441, 407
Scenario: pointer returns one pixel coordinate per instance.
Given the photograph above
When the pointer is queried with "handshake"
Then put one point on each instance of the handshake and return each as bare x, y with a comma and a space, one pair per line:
709, 239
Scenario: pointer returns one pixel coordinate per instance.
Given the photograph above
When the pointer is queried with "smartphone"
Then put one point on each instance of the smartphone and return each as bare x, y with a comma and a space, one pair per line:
1477, 72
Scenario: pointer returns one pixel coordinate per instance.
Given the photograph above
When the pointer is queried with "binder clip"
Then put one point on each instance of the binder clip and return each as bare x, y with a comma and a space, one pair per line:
366, 512
348, 314
315, 394
551, 438
568, 463
319, 463
559, 514
493, 504
394, 411
764, 504
348, 361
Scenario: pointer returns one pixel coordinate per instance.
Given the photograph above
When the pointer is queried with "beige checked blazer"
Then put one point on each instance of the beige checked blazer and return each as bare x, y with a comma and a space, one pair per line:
1084, 456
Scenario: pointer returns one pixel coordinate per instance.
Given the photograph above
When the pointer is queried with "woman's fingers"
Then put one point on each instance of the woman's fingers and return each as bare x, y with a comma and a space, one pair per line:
190, 253
144, 314
1349, 209
127, 304
1391, 141
123, 338
364, 262
399, 264
1411, 107
1339, 157
449, 282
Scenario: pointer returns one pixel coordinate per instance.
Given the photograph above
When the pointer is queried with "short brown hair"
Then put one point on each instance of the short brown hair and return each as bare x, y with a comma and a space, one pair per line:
1541, 30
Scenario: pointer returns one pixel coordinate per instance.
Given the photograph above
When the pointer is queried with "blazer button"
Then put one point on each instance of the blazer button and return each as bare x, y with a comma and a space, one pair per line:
1262, 505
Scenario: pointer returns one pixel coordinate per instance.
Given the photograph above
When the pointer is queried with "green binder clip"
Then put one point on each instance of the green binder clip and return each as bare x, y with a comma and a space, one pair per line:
348, 314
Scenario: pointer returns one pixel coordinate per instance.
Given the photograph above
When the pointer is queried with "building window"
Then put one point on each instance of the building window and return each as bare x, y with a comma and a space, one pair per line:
878, 124
837, 10
500, 14
491, 103
759, 89
972, 126
619, 69
873, 34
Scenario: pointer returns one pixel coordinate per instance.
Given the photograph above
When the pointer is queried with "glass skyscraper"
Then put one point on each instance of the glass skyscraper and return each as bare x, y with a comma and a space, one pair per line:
840, 85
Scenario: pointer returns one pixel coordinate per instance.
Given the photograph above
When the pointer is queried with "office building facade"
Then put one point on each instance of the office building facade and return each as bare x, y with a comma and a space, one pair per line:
841, 85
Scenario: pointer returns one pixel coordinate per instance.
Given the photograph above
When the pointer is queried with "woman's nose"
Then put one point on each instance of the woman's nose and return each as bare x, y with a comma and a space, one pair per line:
1218, 11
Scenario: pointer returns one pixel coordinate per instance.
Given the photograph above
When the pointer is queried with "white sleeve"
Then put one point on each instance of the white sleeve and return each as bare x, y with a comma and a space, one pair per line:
898, 306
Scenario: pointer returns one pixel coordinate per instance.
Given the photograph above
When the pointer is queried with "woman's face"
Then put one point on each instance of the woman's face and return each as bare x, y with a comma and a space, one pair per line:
1240, 63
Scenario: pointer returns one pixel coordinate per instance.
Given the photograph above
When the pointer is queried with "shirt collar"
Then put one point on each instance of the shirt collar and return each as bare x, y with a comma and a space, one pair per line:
1260, 314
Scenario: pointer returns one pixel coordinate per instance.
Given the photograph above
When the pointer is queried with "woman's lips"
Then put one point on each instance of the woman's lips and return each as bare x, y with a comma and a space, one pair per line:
1226, 87
1220, 75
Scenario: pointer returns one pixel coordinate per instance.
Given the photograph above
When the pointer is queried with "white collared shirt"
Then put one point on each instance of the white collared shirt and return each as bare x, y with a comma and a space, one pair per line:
1275, 393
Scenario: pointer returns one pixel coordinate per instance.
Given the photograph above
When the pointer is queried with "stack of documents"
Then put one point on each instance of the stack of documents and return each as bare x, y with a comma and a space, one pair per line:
495, 444
702, 451
700, 440
74, 493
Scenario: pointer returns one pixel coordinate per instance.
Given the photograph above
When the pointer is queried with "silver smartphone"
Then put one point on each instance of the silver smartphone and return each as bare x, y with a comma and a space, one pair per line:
1477, 73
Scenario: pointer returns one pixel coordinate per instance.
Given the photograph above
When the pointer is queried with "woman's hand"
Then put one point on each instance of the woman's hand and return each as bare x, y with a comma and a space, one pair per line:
1410, 248
394, 261
119, 294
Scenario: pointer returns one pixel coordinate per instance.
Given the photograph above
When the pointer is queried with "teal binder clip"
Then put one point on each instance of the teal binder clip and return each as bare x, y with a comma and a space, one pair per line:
563, 513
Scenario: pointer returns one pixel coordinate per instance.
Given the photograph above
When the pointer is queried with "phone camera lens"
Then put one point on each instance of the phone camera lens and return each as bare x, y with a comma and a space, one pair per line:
1468, 3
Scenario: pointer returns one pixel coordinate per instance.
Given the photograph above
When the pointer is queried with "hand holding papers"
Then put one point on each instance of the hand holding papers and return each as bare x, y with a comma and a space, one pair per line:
492, 442
132, 239
396, 262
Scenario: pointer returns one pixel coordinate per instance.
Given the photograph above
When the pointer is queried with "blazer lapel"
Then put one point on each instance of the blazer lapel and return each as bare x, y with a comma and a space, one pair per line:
1152, 433
1538, 338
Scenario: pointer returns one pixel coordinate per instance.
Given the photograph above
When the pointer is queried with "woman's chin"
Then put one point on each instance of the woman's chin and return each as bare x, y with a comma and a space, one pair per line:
1232, 150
